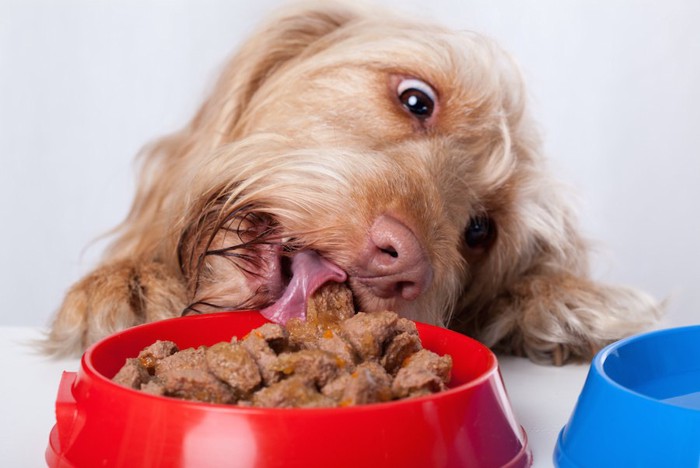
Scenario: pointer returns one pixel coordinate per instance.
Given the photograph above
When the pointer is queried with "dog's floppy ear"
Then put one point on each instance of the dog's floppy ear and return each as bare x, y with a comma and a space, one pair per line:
167, 162
531, 293
546, 305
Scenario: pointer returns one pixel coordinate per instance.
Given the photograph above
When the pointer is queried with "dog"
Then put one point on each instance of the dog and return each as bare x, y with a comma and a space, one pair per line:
344, 145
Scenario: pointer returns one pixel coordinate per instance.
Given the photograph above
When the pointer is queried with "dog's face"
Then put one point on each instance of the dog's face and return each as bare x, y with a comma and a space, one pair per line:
346, 145
395, 152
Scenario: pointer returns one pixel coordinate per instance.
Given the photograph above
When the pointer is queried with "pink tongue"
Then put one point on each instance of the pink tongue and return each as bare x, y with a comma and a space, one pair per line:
309, 272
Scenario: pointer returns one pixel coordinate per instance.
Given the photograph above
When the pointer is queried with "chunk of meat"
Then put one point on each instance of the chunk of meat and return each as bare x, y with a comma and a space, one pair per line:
369, 383
132, 374
154, 387
264, 356
231, 363
421, 374
332, 342
197, 385
150, 355
403, 325
329, 305
275, 335
294, 392
367, 332
314, 366
398, 350
190, 358
302, 334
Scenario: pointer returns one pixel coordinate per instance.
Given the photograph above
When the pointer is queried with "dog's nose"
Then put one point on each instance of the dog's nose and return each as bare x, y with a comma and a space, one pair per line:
394, 261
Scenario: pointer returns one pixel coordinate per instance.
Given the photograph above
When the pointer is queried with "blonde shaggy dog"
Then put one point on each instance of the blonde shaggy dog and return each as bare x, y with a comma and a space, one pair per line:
343, 145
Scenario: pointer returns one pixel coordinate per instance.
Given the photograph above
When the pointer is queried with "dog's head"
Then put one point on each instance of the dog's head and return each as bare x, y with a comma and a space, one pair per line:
344, 145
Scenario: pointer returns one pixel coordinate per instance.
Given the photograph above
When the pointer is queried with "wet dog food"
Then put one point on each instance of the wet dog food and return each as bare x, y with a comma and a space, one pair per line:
334, 358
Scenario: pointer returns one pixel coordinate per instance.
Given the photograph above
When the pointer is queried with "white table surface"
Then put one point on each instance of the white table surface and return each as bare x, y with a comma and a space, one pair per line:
542, 398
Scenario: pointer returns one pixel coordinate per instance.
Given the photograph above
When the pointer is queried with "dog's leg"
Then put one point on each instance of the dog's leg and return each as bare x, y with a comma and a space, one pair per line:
554, 319
111, 298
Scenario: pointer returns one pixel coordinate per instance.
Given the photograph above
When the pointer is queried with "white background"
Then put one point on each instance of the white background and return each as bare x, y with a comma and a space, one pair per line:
615, 86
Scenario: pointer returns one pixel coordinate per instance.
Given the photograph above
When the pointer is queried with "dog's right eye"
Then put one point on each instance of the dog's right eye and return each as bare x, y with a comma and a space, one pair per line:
480, 233
417, 97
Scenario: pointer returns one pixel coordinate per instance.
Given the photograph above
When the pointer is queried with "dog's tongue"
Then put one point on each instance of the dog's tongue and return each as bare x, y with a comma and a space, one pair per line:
309, 272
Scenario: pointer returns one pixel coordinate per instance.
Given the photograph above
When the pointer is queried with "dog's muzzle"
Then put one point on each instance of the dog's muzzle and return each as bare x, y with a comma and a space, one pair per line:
392, 265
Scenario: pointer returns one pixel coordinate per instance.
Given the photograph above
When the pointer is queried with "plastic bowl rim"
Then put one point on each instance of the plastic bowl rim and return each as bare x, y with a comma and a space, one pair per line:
600, 359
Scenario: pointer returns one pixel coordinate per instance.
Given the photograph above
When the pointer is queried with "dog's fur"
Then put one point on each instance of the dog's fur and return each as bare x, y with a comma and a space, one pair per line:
304, 143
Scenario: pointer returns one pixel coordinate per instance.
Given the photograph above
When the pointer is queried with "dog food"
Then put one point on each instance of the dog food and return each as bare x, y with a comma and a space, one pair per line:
335, 358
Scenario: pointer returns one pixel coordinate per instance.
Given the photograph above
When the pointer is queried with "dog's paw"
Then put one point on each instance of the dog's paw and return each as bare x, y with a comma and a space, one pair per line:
113, 297
561, 319
548, 353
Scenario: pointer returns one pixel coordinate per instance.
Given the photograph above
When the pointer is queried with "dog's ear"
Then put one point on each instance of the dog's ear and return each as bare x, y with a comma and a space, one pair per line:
540, 300
167, 162
531, 292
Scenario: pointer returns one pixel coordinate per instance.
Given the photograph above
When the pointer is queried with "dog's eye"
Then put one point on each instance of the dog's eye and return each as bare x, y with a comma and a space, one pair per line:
417, 97
480, 233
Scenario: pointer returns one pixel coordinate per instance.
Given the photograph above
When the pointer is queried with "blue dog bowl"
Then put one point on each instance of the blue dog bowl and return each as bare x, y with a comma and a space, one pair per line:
640, 405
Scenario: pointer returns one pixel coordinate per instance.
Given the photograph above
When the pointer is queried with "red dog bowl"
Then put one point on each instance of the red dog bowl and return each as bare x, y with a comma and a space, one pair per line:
99, 423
